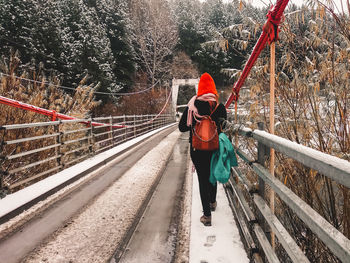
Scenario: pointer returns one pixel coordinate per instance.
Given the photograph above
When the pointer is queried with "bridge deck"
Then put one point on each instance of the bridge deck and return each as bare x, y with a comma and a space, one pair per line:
219, 243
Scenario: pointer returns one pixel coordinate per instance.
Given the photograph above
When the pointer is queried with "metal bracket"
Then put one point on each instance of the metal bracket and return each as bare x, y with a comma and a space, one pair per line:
253, 251
252, 162
249, 134
4, 172
3, 192
253, 222
254, 190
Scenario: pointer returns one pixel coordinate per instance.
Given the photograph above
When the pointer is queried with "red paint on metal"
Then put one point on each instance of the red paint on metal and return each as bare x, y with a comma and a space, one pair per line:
53, 114
274, 16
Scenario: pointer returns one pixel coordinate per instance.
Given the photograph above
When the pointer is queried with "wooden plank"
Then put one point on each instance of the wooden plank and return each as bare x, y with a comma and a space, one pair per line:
288, 243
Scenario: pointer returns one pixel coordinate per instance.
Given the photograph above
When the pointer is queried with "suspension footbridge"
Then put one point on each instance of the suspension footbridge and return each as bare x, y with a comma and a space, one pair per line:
122, 189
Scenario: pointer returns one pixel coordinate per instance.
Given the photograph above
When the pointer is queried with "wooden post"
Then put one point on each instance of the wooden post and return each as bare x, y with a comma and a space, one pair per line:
125, 129
236, 121
134, 125
2, 185
272, 129
110, 135
92, 139
3, 191
262, 157
261, 160
58, 149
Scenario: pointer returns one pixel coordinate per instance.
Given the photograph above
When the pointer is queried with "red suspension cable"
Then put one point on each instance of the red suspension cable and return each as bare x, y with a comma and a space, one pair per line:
55, 115
270, 33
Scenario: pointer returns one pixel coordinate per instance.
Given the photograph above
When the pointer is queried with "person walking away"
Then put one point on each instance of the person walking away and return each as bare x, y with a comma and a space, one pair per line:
204, 103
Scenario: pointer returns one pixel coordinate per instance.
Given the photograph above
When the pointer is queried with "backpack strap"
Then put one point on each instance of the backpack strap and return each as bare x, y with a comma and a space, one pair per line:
217, 105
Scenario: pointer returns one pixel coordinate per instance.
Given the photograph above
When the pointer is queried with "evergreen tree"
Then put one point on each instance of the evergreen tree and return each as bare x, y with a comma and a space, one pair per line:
214, 16
47, 38
87, 49
31, 27
17, 21
191, 34
114, 16
72, 38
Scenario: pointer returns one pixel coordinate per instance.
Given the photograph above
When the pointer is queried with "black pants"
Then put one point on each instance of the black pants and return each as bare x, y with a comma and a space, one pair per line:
201, 160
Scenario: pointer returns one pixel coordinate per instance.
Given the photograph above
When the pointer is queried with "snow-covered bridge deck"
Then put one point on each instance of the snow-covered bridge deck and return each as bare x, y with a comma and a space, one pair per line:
93, 233
219, 243
90, 223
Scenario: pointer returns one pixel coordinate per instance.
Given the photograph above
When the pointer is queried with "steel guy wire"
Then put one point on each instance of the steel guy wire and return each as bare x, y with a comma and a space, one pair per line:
69, 88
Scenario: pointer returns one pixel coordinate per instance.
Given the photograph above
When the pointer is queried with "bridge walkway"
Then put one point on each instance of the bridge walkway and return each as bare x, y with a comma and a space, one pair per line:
89, 223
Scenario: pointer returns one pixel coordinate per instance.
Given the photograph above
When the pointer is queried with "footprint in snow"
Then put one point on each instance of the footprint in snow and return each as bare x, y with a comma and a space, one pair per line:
223, 260
210, 241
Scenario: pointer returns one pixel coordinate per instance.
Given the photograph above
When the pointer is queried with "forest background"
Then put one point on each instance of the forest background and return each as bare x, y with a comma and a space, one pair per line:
77, 56
119, 46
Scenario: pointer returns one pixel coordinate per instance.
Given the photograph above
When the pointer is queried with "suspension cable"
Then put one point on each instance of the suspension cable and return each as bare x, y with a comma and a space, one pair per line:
54, 115
270, 32
69, 88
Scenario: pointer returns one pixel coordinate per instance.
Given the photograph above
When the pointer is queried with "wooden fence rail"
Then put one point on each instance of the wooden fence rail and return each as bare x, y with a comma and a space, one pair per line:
255, 217
32, 151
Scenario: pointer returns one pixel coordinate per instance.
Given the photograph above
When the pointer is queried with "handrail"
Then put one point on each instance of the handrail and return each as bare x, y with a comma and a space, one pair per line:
283, 236
333, 238
47, 147
334, 168
328, 165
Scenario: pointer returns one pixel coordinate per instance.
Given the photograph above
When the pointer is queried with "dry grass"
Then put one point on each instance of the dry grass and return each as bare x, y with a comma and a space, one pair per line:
43, 95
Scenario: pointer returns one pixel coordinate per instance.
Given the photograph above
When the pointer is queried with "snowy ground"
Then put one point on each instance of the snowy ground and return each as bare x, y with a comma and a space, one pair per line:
219, 243
94, 234
17, 199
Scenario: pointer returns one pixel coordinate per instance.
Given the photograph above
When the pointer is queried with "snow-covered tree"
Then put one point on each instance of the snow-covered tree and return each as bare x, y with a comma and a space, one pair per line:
87, 49
214, 16
17, 23
154, 37
114, 17
72, 39
190, 28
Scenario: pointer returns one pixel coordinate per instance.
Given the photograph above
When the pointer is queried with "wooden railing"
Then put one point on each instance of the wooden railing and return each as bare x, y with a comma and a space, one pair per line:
253, 214
32, 151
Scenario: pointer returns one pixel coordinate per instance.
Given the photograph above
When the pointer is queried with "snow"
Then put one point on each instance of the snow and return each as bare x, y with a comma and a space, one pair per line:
219, 243
330, 160
17, 199
183, 244
93, 235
